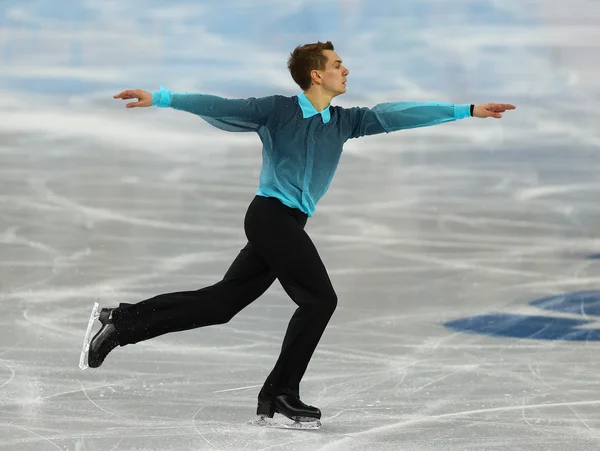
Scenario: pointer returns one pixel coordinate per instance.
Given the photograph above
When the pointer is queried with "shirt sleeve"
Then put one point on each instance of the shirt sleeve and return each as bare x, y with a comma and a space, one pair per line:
235, 115
393, 116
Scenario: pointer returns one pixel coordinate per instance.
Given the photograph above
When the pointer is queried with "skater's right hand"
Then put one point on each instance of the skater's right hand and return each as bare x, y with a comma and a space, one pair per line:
144, 98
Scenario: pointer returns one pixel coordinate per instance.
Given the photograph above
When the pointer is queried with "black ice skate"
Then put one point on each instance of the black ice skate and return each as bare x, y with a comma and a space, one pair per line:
290, 406
105, 315
95, 351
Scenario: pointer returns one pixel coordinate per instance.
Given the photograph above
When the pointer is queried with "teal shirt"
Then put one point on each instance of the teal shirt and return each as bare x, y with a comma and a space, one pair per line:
302, 146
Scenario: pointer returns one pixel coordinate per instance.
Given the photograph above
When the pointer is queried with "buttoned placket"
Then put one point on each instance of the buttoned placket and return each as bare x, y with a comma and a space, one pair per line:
310, 158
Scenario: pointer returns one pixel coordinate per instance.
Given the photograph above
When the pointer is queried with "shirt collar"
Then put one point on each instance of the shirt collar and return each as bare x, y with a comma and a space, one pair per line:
308, 110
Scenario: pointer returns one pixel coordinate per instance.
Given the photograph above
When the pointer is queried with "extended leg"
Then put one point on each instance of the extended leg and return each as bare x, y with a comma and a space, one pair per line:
248, 278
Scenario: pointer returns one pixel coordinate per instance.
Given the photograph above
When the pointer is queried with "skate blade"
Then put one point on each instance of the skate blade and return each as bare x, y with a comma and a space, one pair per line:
279, 421
83, 359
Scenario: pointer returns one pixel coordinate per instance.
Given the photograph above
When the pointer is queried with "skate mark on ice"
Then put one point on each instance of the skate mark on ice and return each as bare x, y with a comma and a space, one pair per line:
436, 380
539, 377
523, 409
12, 348
442, 340
47, 326
114, 448
196, 429
152, 422
83, 389
379, 377
122, 383
41, 437
56, 395
341, 444
321, 393
592, 430
238, 388
289, 442
9, 236
12, 376
549, 190
95, 214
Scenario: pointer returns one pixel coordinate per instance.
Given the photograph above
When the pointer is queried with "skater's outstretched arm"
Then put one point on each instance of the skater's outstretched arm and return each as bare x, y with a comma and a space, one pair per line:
237, 115
393, 116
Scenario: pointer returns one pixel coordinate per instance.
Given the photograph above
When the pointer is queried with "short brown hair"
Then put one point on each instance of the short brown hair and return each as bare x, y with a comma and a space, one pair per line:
306, 58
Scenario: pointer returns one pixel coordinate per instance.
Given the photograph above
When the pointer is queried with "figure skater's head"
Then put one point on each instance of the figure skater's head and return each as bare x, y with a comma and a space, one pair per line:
317, 66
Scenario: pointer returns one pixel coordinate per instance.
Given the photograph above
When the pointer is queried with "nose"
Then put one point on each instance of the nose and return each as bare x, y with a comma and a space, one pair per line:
346, 71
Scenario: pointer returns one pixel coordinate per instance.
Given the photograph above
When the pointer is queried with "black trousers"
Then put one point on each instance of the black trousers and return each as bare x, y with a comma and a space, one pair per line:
278, 248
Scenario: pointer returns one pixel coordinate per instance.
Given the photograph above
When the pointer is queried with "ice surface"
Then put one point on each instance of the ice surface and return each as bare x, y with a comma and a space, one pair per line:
455, 250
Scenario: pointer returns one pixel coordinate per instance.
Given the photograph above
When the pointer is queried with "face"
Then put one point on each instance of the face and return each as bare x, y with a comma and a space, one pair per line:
333, 78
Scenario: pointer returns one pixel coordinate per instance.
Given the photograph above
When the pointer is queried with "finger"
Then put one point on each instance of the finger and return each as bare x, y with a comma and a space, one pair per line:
129, 97
127, 94
132, 104
490, 112
494, 107
122, 94
502, 106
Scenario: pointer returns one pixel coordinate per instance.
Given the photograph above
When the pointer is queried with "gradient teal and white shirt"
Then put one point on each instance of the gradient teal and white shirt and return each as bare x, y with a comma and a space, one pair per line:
302, 146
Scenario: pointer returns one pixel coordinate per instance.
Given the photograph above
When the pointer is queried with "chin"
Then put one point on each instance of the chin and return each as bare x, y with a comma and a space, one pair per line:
338, 92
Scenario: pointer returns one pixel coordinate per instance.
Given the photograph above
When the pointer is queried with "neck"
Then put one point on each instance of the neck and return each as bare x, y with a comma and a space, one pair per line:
318, 98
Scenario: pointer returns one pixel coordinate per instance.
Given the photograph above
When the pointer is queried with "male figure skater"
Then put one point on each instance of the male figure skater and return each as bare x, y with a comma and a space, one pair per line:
302, 138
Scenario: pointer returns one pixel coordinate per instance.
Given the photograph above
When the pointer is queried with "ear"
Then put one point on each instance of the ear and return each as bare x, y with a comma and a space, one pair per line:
315, 76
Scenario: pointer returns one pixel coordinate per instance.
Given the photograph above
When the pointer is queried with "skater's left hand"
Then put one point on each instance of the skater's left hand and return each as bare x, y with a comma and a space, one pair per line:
491, 109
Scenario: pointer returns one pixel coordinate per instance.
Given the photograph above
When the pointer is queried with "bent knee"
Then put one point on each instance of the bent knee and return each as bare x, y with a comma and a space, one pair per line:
328, 303
321, 303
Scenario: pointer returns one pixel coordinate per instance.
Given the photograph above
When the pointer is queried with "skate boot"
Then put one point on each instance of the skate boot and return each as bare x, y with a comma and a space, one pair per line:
290, 406
104, 341
105, 315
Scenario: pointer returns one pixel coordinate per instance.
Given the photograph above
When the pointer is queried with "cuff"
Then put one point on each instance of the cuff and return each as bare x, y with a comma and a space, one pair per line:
461, 111
161, 98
